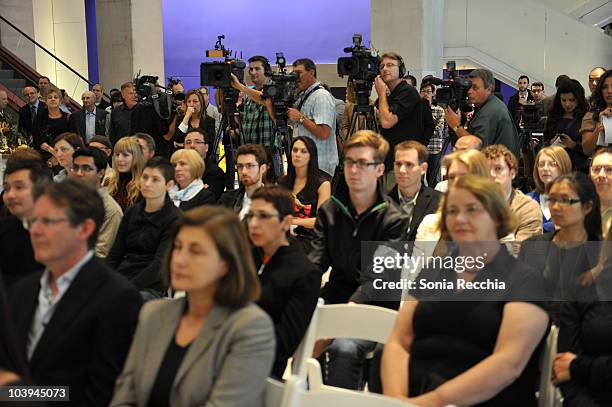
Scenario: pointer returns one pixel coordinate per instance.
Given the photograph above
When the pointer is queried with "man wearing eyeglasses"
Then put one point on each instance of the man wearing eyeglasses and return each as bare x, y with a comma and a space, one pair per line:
75, 321
601, 174
251, 166
214, 177
357, 212
89, 164
401, 117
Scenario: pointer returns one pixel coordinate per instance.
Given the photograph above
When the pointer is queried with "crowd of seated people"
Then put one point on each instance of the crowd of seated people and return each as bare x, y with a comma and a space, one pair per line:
230, 278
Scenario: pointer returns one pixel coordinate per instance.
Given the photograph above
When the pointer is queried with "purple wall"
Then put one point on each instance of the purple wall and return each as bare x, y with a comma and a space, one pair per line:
316, 29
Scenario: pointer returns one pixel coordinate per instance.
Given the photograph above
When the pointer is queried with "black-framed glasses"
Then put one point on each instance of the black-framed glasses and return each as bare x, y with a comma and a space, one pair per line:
361, 164
248, 166
194, 142
564, 202
260, 216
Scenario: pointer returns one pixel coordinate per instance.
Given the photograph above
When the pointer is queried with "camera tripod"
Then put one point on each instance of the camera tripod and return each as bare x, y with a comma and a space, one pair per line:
230, 128
363, 118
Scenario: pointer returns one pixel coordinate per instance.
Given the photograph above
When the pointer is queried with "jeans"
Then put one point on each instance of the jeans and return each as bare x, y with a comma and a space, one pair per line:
343, 363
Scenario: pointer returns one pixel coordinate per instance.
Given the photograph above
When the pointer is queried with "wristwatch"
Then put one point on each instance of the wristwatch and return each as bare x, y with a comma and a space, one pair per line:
456, 127
302, 119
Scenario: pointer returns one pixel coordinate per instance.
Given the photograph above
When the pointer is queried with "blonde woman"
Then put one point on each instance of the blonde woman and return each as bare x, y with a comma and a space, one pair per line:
550, 163
128, 163
188, 192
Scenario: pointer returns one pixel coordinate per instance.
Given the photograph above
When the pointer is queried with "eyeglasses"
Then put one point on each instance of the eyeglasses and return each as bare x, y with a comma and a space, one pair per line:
596, 170
45, 221
388, 65
83, 168
195, 142
361, 164
551, 164
248, 166
562, 202
260, 216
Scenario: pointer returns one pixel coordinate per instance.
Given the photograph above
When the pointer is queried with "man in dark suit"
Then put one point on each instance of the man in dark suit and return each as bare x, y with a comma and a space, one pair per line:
415, 199
99, 92
75, 320
90, 121
522, 95
28, 112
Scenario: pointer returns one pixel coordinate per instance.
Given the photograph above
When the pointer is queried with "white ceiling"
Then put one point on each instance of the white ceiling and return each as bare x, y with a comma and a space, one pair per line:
591, 12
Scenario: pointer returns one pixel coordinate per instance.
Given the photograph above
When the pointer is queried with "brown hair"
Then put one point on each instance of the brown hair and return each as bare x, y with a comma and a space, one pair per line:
254, 149
240, 284
421, 149
71, 138
368, 138
475, 161
496, 151
560, 156
490, 195
279, 196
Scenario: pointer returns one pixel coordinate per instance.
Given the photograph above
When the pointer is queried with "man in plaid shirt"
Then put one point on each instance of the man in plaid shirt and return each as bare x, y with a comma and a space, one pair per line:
436, 142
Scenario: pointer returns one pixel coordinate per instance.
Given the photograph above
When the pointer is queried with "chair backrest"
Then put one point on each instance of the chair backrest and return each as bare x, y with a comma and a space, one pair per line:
278, 395
343, 321
548, 395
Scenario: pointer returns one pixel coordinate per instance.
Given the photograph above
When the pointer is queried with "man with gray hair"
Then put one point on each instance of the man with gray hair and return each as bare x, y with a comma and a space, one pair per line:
491, 121
91, 120
6, 115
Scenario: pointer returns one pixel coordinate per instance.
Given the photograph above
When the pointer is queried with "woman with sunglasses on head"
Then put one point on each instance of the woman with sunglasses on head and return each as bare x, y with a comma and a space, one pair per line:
564, 254
289, 281
550, 163
213, 347
309, 188
458, 345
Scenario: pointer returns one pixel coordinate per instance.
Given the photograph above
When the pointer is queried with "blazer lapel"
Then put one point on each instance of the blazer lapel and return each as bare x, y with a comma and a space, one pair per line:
70, 305
418, 213
215, 320
27, 308
163, 330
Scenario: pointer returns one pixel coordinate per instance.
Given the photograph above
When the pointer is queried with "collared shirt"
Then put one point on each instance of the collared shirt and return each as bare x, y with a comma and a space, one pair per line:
407, 204
437, 139
35, 105
257, 125
46, 302
212, 111
64, 108
90, 125
321, 109
246, 206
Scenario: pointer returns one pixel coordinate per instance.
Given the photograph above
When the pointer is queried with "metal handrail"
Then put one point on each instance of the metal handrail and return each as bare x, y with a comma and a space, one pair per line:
48, 52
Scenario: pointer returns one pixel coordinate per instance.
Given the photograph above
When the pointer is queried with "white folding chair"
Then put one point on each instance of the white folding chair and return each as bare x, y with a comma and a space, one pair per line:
549, 395
357, 321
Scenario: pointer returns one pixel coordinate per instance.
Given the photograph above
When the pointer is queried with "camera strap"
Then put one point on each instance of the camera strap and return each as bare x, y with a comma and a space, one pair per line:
307, 95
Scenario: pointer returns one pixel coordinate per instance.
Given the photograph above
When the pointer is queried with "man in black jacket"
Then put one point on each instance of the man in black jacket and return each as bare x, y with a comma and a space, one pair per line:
90, 121
29, 111
414, 198
75, 321
357, 212
517, 101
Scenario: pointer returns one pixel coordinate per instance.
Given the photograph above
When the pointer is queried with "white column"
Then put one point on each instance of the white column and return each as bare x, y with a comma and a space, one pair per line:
148, 38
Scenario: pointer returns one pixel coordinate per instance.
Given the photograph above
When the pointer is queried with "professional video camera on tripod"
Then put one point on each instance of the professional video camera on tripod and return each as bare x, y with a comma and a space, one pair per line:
219, 75
361, 68
150, 93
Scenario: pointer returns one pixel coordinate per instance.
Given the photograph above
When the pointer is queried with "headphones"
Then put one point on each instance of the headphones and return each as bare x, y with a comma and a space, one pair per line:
402, 67
266, 63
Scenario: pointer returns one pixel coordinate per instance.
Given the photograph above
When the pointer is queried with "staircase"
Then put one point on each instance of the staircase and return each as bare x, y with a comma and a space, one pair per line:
9, 80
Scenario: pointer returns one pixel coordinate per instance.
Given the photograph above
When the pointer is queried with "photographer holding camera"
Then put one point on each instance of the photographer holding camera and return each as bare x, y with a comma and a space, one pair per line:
401, 117
135, 117
491, 121
258, 119
314, 115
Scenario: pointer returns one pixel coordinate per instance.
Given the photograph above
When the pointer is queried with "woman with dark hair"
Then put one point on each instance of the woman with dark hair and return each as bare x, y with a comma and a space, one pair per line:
195, 117
64, 147
309, 188
213, 346
49, 123
592, 130
460, 345
574, 209
583, 365
564, 120
289, 281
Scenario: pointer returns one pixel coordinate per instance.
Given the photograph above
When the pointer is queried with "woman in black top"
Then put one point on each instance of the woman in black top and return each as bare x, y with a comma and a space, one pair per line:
563, 255
188, 191
64, 147
564, 121
583, 366
289, 281
467, 346
49, 124
308, 187
195, 117
145, 230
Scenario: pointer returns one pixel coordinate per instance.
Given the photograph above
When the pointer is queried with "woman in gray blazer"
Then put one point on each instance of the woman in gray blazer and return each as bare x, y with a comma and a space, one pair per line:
213, 347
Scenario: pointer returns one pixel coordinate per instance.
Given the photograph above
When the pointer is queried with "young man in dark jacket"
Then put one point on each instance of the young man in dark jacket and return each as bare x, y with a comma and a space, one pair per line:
357, 212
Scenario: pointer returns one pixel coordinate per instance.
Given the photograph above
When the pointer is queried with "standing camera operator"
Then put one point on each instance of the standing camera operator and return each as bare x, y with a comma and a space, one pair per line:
491, 121
134, 117
401, 118
314, 114
257, 120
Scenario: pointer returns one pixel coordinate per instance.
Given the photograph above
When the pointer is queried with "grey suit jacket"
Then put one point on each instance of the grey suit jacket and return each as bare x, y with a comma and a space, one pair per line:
226, 365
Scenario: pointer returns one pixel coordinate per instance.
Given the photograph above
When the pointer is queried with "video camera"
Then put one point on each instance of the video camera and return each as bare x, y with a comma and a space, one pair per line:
362, 67
452, 92
150, 94
218, 74
283, 91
